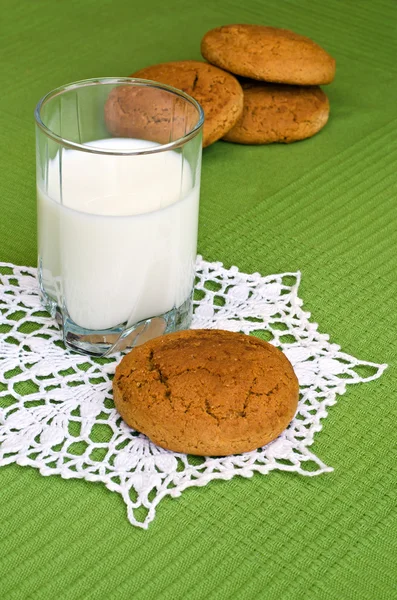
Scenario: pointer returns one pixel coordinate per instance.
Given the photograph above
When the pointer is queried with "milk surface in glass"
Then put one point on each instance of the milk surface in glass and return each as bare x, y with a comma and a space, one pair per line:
118, 233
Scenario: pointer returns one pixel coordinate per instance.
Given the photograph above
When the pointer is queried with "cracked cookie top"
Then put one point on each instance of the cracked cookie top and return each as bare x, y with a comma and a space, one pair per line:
218, 92
268, 54
207, 392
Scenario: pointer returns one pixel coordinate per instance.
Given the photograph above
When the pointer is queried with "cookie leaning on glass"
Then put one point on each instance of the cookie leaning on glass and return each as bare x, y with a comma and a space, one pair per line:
207, 392
218, 92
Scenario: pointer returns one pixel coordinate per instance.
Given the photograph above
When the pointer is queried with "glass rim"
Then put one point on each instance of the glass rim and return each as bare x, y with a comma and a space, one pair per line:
134, 81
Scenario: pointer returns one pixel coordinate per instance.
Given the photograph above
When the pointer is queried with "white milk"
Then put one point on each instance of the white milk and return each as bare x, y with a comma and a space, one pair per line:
122, 239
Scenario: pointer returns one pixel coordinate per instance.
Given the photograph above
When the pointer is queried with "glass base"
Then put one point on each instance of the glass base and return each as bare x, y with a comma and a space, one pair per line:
108, 341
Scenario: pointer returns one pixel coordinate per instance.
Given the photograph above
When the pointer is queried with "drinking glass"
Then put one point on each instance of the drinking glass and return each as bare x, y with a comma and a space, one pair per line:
118, 182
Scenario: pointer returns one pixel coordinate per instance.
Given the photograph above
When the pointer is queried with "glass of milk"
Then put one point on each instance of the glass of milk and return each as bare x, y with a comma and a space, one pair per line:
118, 182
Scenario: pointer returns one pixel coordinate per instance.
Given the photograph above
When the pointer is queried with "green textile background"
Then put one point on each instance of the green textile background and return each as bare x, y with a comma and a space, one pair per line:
326, 206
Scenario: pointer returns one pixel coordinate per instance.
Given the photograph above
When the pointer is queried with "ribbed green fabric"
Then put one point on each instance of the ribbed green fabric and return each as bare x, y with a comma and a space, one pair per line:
326, 206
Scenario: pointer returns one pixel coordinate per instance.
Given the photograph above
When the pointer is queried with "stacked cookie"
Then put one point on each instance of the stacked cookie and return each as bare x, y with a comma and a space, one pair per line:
282, 100
259, 86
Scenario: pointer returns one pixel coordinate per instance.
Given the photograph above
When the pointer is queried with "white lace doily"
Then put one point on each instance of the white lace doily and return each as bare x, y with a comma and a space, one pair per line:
56, 408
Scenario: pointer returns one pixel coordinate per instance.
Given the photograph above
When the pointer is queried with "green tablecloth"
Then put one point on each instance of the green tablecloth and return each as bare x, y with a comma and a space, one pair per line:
326, 206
